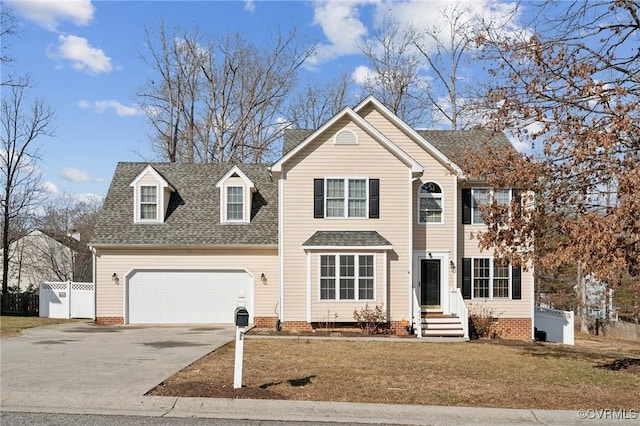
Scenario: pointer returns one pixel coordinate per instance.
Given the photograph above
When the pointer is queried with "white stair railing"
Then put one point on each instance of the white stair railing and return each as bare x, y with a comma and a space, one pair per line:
458, 307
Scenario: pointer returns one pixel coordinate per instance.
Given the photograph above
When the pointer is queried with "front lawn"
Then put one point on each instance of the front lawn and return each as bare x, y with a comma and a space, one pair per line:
11, 326
496, 373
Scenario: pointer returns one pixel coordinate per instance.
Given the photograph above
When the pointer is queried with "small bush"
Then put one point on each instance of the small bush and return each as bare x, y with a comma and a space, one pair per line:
482, 322
370, 320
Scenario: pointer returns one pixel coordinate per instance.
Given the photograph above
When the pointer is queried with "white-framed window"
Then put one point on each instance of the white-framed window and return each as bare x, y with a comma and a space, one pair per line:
347, 277
346, 198
484, 196
490, 279
148, 202
430, 203
235, 203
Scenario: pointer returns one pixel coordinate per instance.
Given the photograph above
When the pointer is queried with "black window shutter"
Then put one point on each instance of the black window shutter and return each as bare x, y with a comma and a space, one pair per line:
374, 198
516, 282
515, 194
466, 278
318, 198
466, 206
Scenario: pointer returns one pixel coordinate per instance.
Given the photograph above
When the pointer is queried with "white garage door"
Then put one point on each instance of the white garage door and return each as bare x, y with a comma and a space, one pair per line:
158, 297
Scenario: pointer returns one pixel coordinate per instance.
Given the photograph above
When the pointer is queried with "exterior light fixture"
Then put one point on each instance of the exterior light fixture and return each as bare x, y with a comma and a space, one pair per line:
115, 278
263, 278
452, 266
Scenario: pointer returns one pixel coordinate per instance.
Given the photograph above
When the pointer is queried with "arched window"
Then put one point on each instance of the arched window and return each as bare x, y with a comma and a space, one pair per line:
430, 203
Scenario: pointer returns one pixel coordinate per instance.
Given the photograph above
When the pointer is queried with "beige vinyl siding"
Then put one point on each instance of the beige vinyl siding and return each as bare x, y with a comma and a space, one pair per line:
468, 247
110, 297
426, 237
320, 159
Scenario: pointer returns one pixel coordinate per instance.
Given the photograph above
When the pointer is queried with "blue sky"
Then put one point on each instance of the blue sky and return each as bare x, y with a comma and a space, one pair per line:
84, 58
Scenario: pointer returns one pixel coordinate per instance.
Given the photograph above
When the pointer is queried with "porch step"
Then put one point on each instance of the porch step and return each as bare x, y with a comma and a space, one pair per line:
436, 324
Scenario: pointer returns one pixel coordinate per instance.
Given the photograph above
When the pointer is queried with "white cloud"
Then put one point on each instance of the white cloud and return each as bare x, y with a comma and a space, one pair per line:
100, 107
362, 74
83, 56
76, 175
87, 198
51, 13
50, 188
249, 6
342, 27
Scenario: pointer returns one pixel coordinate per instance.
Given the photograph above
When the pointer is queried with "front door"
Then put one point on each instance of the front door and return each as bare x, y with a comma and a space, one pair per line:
430, 283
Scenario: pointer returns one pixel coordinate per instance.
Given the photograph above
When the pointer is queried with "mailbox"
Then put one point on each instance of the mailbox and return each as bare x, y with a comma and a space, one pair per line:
242, 317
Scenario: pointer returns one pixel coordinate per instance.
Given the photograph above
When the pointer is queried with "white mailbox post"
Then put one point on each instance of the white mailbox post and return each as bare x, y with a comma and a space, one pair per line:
242, 320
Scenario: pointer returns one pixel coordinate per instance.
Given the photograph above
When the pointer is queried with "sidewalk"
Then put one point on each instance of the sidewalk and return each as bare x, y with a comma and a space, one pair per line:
276, 410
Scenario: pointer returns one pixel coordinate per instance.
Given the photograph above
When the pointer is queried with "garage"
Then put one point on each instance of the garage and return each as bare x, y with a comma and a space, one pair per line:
183, 297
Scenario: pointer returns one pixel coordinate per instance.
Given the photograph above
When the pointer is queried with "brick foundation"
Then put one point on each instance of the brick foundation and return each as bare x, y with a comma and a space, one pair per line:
110, 320
513, 328
294, 326
398, 328
265, 322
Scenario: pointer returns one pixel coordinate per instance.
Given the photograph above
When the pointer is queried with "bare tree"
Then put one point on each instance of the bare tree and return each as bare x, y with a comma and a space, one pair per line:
398, 80
446, 47
570, 86
316, 103
22, 125
8, 27
219, 100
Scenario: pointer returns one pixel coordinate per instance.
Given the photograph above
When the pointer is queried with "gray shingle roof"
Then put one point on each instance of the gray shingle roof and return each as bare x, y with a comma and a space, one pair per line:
346, 239
457, 144
454, 144
193, 215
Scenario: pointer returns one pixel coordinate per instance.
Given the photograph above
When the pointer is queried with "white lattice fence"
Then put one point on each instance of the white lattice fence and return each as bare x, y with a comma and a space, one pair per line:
67, 300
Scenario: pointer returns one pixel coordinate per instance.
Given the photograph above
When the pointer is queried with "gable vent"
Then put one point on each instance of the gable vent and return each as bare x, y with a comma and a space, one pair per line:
346, 137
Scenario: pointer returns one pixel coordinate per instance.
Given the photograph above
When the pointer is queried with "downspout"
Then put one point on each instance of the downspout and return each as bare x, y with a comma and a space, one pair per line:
93, 279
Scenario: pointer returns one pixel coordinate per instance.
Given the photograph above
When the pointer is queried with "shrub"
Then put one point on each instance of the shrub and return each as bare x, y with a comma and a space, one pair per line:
370, 320
482, 322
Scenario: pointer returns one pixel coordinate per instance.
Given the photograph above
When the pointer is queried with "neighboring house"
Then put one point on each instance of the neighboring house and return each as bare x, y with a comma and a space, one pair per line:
363, 210
44, 256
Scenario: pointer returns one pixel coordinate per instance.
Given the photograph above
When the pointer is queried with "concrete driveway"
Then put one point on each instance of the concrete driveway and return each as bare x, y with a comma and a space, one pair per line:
85, 365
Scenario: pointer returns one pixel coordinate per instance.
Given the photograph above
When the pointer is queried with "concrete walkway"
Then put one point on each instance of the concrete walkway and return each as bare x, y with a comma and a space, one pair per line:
82, 368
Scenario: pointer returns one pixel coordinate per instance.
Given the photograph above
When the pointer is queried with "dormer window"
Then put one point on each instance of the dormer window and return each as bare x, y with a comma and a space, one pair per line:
148, 203
235, 203
236, 190
151, 193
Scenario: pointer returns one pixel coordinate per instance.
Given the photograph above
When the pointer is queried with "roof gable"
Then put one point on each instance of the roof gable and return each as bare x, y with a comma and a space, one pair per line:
150, 170
235, 170
363, 124
410, 132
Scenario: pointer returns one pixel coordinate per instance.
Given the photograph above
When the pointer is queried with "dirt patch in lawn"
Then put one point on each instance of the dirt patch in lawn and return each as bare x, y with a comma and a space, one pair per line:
489, 373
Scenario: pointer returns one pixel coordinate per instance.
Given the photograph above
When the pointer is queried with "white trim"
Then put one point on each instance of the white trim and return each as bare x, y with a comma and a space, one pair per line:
345, 207
156, 175
225, 201
491, 278
443, 159
442, 198
354, 134
356, 277
281, 244
350, 248
457, 221
385, 283
308, 286
364, 125
231, 172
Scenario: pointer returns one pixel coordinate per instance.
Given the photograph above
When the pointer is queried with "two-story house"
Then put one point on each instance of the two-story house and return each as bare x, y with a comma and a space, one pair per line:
363, 210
